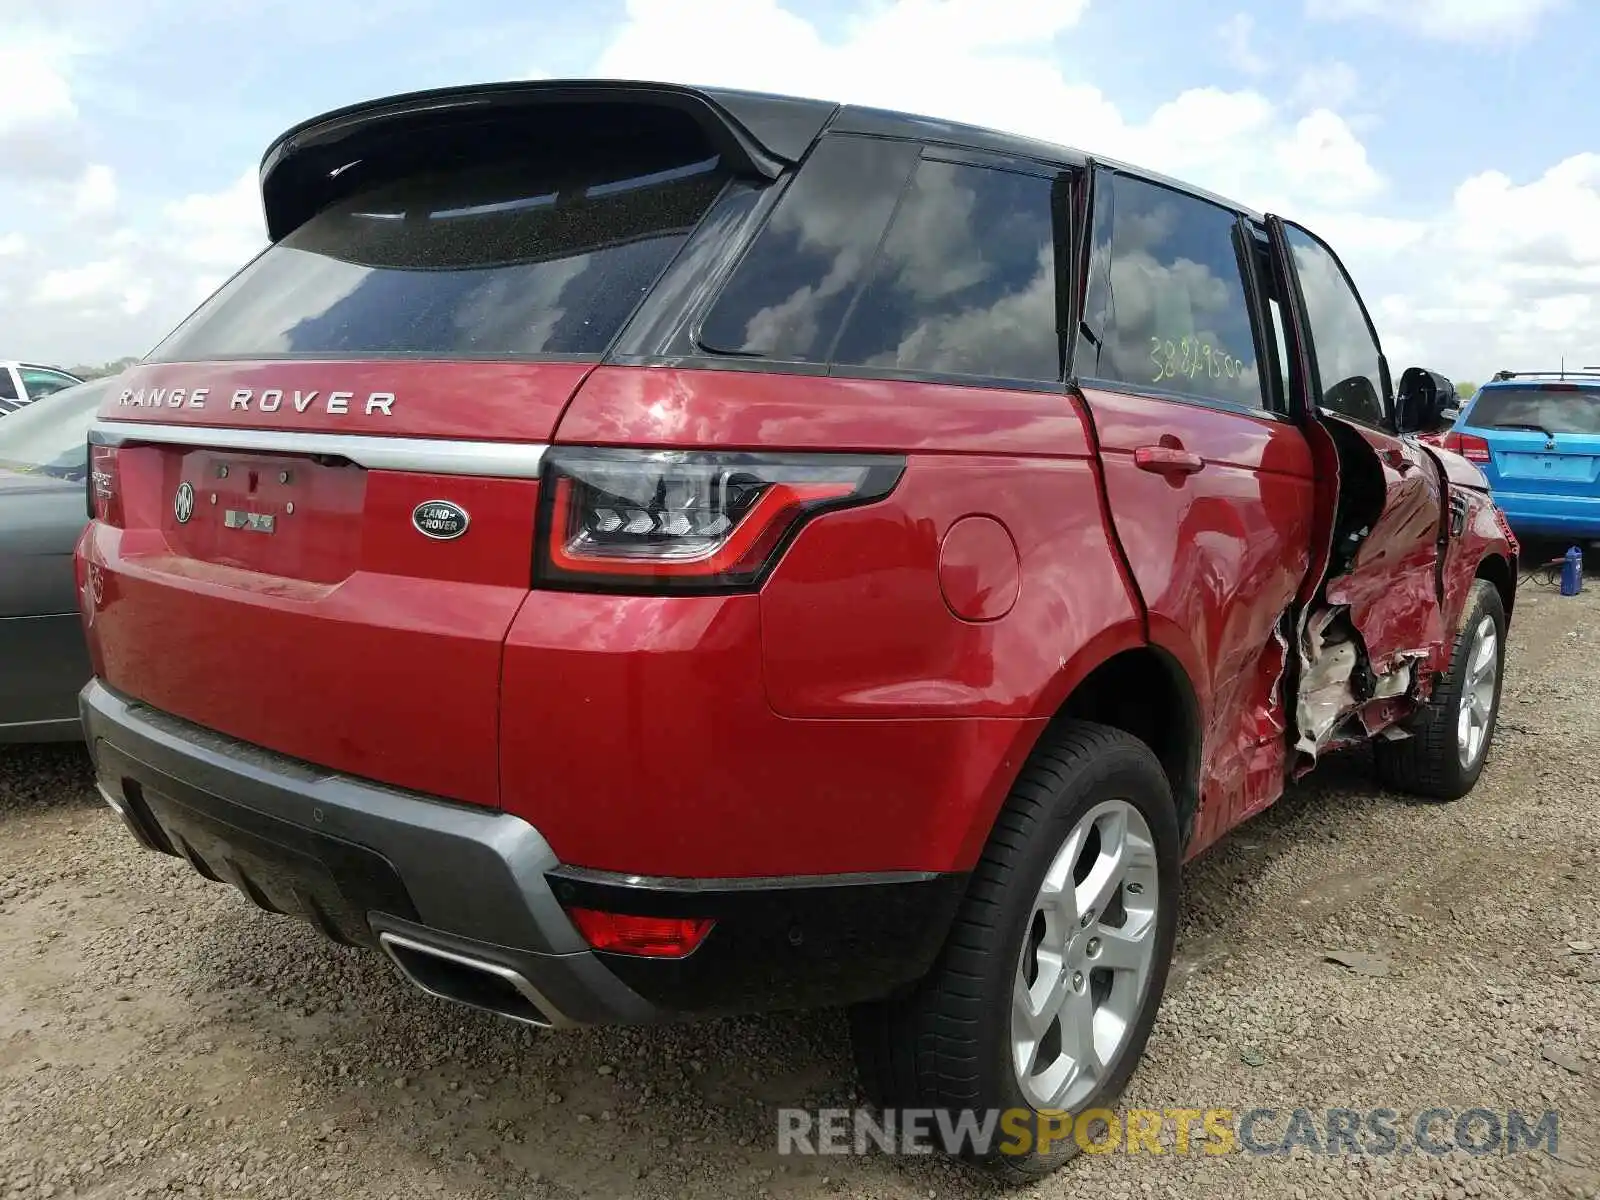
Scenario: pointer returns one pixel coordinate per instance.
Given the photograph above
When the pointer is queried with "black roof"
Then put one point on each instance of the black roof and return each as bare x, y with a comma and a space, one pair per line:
759, 132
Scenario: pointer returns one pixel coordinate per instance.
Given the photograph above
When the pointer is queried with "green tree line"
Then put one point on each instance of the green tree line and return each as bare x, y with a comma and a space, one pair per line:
101, 370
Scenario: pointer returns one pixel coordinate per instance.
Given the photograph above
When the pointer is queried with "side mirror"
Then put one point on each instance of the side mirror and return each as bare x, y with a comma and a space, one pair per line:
1421, 400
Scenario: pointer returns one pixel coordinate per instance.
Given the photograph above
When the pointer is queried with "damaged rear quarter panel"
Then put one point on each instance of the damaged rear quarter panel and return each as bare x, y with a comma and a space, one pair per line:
1477, 532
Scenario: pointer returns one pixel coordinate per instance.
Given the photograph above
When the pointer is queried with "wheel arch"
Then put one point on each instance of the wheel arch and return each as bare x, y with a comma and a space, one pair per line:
1144, 691
1498, 570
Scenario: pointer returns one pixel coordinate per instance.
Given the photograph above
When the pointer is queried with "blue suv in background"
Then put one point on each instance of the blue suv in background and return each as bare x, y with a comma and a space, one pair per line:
1536, 435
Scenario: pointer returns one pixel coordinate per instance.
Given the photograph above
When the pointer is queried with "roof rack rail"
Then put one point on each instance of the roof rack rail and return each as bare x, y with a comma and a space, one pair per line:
1502, 376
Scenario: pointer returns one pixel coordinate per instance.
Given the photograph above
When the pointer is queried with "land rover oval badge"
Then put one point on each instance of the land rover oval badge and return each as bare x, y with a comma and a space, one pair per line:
440, 520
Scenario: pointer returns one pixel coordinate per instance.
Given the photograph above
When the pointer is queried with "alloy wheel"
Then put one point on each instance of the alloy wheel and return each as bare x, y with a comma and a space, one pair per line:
1086, 958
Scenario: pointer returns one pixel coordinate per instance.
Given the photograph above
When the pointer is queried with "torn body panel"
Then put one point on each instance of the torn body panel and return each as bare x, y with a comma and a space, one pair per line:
1373, 633
1476, 534
1391, 582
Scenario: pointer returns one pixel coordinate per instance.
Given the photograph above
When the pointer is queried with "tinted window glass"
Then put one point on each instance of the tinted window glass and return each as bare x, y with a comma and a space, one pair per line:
790, 293
1348, 359
1165, 300
502, 258
966, 281
8, 385
43, 383
1551, 410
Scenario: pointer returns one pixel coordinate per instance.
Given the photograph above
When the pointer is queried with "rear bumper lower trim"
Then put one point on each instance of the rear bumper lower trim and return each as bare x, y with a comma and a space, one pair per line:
342, 852
471, 903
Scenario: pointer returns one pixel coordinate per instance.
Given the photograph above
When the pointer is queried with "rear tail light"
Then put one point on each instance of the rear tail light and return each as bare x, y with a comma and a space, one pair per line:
1471, 448
105, 484
648, 937
679, 521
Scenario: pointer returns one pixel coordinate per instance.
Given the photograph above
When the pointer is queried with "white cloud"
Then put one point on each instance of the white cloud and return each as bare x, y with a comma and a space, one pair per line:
906, 54
39, 134
141, 280
1326, 85
90, 285
36, 91
96, 191
1325, 160
13, 245
1238, 37
220, 229
1505, 277
1445, 20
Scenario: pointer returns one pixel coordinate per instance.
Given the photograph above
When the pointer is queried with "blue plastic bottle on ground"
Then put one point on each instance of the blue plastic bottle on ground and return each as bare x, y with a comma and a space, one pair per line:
1572, 572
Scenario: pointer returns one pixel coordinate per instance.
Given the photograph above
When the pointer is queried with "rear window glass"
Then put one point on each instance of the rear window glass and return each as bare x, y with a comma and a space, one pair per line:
498, 258
1538, 410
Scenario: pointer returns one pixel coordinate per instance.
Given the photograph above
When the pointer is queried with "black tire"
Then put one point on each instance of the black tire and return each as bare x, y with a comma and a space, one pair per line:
1428, 764
947, 1044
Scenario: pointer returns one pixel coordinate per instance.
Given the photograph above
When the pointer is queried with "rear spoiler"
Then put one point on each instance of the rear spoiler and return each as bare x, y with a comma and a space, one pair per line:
755, 134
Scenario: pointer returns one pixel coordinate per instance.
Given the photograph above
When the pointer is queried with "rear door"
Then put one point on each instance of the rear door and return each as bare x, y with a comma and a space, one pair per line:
1209, 481
1385, 565
317, 498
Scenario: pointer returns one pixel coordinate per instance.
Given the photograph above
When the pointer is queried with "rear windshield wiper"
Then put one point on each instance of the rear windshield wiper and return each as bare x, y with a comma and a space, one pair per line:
1524, 425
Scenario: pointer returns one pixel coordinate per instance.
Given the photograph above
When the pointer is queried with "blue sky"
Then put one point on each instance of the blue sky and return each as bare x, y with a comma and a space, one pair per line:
1450, 149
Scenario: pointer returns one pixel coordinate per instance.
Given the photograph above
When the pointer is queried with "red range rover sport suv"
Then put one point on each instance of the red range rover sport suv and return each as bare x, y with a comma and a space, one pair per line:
630, 551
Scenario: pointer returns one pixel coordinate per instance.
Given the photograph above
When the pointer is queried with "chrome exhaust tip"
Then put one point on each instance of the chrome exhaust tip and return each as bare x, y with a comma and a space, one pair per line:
463, 979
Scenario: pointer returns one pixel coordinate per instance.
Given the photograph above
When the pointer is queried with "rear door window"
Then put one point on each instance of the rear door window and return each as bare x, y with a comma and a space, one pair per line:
521, 256
1165, 308
1549, 410
8, 385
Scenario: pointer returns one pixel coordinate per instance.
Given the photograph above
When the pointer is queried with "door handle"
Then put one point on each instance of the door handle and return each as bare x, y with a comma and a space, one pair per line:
1168, 460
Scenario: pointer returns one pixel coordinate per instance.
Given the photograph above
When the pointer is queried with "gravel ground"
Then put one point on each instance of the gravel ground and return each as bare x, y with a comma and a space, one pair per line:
158, 1035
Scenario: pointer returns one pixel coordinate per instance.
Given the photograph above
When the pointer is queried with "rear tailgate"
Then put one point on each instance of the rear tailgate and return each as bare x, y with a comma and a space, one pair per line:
316, 502
1543, 439
271, 583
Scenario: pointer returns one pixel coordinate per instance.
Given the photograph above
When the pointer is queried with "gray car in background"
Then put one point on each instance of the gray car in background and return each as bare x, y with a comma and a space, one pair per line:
44, 661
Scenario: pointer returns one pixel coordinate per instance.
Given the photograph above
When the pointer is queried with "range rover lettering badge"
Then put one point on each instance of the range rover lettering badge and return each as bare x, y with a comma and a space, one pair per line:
183, 503
440, 520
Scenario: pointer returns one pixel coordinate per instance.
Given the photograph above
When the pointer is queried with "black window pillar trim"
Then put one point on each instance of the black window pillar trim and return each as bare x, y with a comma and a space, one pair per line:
1258, 296
1095, 173
1296, 325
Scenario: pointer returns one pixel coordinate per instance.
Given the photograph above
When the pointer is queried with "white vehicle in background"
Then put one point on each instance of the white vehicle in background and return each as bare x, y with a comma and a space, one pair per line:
22, 382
